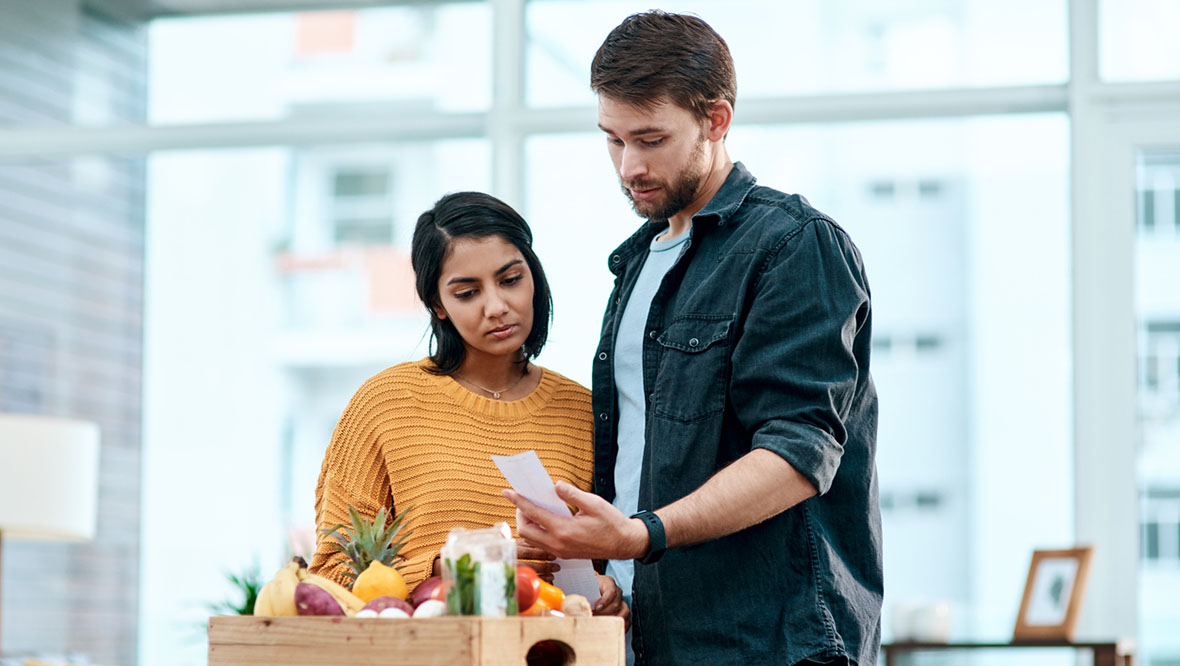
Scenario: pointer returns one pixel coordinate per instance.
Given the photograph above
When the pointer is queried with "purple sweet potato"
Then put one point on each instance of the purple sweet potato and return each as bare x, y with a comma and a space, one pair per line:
381, 603
314, 600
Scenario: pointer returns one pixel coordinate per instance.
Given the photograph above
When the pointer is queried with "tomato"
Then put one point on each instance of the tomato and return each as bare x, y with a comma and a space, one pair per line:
551, 595
439, 593
528, 587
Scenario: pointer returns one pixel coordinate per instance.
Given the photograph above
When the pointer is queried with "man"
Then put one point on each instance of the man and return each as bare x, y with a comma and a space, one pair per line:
732, 396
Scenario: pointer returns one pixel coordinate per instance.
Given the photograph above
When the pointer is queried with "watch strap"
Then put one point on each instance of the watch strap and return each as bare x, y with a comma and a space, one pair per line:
657, 540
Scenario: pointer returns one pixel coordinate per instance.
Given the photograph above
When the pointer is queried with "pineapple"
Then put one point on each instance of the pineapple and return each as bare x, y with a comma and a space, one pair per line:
364, 543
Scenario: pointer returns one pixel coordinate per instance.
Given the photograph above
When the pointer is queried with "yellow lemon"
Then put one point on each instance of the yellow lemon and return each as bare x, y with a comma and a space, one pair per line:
379, 581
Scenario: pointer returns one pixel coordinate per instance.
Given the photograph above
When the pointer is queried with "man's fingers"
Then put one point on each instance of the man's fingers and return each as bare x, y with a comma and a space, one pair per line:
524, 507
570, 494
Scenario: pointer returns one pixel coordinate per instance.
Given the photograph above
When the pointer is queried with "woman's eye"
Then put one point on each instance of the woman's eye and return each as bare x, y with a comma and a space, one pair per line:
512, 280
464, 295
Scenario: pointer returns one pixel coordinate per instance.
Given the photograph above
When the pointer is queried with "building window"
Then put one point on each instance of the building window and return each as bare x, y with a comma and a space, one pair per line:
1147, 209
361, 209
1151, 541
1161, 362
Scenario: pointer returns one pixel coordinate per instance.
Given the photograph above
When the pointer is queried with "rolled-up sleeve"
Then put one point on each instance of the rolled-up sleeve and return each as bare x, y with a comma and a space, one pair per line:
794, 367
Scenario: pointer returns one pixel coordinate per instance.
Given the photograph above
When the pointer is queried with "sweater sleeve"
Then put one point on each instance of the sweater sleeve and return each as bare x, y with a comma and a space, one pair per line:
353, 474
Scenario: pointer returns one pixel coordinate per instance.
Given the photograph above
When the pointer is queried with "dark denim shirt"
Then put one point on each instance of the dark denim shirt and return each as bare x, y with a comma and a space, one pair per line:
757, 338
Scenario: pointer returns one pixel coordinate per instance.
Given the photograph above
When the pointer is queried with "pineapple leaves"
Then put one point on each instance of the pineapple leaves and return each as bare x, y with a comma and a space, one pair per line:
364, 542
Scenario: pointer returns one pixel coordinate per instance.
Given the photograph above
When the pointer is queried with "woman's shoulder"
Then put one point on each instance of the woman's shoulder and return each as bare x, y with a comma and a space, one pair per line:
400, 381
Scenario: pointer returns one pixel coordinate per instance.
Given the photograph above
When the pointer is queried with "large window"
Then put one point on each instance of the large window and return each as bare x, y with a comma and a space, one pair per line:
815, 46
1138, 40
421, 58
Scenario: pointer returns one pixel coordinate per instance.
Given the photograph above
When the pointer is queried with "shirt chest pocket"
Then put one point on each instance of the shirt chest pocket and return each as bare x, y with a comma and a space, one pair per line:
694, 367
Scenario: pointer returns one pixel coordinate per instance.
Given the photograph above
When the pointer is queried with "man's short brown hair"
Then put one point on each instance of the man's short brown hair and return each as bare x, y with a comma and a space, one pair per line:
656, 56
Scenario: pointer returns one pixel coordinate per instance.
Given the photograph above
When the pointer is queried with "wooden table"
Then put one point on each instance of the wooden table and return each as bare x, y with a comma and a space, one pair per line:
1118, 653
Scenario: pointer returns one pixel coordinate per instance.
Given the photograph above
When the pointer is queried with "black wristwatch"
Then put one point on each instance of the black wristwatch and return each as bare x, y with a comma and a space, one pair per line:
655, 532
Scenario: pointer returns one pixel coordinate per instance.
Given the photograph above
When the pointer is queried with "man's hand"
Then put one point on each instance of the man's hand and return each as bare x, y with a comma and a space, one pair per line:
611, 602
539, 559
597, 531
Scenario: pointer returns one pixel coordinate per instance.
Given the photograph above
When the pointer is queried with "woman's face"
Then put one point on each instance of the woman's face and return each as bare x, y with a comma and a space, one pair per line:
486, 290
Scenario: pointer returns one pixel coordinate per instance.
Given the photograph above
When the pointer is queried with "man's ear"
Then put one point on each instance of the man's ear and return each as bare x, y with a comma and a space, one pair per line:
720, 118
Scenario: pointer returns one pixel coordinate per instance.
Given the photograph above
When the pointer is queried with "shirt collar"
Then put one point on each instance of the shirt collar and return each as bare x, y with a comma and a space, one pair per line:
720, 208
729, 198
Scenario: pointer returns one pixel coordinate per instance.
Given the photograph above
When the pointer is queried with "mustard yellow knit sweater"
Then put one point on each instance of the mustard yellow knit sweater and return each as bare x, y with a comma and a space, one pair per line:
409, 438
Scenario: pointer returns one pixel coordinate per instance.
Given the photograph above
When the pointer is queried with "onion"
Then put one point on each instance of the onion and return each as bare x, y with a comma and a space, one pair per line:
422, 592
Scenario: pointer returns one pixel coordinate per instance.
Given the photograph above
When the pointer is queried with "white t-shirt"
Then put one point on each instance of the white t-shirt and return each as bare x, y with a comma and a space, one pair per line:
628, 368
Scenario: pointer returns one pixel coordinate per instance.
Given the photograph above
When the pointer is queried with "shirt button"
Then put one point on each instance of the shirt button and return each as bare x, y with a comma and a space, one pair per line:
615, 259
652, 334
694, 342
602, 356
603, 416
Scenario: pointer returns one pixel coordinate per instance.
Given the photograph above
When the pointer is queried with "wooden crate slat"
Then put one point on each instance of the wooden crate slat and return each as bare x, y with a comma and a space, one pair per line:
255, 655
453, 641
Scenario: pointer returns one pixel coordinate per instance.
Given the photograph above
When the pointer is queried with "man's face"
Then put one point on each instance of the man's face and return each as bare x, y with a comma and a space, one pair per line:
659, 155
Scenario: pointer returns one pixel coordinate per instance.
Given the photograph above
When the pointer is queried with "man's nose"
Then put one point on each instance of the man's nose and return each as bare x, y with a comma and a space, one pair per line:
631, 164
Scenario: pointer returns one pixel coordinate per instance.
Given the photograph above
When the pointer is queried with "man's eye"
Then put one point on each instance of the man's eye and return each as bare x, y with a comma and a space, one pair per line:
653, 143
614, 141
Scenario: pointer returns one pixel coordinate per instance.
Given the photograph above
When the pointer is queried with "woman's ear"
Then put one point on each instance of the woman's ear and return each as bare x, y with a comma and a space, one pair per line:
440, 312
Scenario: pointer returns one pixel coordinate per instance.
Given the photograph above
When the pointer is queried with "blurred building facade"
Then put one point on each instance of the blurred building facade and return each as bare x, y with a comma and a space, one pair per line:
71, 317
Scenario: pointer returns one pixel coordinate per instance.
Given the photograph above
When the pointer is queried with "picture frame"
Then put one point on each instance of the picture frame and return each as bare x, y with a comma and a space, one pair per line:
1053, 594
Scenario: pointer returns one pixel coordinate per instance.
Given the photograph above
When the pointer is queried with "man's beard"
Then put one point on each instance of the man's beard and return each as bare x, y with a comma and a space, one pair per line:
678, 194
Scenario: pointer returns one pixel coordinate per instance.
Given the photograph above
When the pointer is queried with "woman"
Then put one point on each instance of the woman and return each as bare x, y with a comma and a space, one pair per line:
420, 434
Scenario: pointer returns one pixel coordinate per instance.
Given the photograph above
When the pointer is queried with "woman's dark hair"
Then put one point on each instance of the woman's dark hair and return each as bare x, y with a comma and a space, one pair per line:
655, 56
472, 215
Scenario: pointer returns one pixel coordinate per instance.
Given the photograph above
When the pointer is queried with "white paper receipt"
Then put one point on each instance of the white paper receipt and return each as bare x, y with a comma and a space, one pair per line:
527, 476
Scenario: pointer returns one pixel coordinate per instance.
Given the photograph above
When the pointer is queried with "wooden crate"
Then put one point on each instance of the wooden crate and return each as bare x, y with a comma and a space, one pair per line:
445, 641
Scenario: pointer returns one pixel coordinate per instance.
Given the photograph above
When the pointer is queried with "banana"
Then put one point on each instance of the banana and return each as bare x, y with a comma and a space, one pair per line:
278, 596
349, 601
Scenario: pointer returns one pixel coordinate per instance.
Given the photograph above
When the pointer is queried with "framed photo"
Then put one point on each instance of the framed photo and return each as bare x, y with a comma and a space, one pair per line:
1053, 594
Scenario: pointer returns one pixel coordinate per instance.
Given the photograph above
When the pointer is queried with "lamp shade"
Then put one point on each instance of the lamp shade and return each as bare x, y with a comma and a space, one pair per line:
48, 478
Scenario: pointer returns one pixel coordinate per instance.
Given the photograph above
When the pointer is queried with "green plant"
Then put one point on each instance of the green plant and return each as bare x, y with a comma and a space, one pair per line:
249, 583
463, 597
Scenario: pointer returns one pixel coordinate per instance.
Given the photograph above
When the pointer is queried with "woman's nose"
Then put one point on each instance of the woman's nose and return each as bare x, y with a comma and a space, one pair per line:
496, 304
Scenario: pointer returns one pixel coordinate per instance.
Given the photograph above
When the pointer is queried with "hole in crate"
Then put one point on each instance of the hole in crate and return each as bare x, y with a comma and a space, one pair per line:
550, 653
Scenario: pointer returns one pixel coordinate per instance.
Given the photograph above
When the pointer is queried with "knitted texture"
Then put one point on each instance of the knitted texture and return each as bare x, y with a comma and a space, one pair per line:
409, 438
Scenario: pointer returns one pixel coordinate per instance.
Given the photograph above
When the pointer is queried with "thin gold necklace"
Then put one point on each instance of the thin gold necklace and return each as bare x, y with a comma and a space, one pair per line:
495, 393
